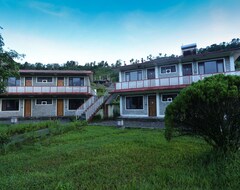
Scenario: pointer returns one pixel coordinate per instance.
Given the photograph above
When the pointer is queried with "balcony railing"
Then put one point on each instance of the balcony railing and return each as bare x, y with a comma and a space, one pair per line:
166, 82
49, 89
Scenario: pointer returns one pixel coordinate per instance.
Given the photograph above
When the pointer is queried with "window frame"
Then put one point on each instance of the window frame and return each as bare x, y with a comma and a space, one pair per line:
166, 69
10, 100
134, 108
74, 99
15, 80
138, 71
81, 79
211, 60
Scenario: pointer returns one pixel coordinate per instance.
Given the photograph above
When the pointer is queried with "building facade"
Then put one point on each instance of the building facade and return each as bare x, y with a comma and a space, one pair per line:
45, 93
146, 89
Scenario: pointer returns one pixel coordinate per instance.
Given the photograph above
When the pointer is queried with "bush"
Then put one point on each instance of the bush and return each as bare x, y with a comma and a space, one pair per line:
209, 109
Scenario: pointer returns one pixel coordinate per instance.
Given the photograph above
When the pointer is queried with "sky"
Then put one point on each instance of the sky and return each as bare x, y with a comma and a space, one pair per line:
57, 31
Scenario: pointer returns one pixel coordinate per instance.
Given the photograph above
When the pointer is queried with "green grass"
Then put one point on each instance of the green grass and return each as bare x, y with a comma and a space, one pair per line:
110, 158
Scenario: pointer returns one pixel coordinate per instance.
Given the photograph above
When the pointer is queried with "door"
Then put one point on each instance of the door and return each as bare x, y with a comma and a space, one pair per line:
187, 69
27, 108
60, 81
151, 74
28, 81
152, 111
60, 107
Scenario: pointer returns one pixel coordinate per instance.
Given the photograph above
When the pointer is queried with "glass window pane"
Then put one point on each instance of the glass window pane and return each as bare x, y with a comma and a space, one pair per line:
10, 105
134, 102
133, 75
210, 67
139, 75
74, 104
201, 68
151, 73
220, 67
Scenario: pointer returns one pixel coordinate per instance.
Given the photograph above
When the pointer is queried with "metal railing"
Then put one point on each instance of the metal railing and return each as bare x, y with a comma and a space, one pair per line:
85, 106
49, 89
169, 81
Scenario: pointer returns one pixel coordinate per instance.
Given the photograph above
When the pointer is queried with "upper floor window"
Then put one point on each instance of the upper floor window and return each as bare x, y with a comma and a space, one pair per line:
44, 79
13, 81
10, 105
133, 75
76, 81
208, 67
168, 69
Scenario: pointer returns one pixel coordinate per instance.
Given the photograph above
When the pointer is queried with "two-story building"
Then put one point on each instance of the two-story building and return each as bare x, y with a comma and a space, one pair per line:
146, 89
45, 93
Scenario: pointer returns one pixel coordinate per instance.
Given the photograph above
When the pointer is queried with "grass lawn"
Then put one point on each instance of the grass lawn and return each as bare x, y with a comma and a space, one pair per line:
111, 158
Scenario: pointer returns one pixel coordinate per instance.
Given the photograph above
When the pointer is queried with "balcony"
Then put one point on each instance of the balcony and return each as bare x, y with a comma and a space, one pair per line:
49, 90
163, 83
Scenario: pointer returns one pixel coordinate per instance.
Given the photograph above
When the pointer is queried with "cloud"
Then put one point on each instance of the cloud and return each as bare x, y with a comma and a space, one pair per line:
48, 8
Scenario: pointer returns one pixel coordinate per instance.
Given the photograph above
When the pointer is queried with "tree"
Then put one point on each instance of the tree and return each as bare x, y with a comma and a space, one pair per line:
8, 67
209, 109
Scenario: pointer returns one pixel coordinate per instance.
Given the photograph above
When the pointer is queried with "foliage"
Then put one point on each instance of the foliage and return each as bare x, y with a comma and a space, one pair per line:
210, 109
235, 43
8, 67
108, 158
29, 132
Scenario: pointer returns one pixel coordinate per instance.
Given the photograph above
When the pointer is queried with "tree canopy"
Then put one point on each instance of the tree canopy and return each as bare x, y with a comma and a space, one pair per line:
8, 67
209, 109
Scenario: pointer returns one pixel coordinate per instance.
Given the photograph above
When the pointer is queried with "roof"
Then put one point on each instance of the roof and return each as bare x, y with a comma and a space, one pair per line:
55, 72
180, 59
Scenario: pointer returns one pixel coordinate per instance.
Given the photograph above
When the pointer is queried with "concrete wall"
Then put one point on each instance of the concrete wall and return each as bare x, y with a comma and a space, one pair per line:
160, 105
54, 81
134, 112
9, 114
47, 110
166, 75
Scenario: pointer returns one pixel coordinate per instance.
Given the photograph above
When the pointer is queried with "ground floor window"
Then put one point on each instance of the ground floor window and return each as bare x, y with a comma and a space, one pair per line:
74, 104
168, 97
44, 101
10, 105
135, 102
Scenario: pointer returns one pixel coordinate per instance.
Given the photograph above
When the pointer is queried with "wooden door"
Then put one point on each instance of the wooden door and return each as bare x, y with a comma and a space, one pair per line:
28, 81
27, 108
60, 107
60, 81
152, 111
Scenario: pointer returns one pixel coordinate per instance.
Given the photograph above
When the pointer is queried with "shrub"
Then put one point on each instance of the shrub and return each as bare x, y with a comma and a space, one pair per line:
209, 109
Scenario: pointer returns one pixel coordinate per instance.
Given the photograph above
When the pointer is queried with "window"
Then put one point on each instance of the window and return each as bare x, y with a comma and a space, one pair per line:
74, 104
13, 81
133, 75
10, 105
44, 101
168, 69
135, 102
151, 73
76, 81
210, 67
168, 97
44, 79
